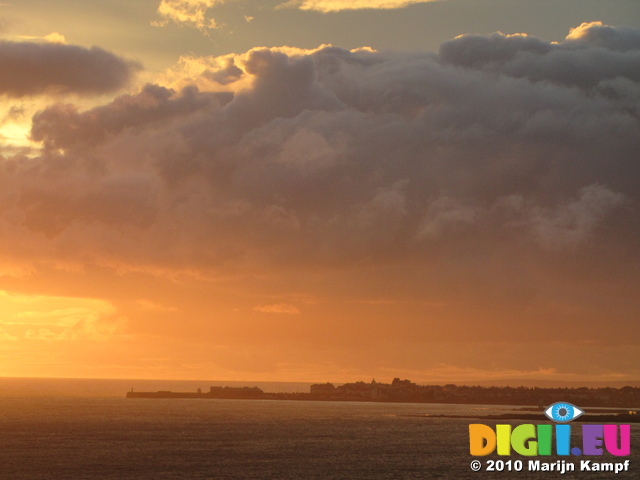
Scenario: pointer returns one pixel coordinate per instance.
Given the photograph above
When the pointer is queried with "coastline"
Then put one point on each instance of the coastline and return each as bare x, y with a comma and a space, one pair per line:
617, 402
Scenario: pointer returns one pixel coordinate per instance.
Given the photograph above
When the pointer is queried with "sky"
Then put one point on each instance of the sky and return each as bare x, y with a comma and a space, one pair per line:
320, 190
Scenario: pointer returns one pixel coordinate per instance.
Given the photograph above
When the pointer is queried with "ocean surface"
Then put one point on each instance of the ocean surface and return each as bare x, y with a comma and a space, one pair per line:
87, 429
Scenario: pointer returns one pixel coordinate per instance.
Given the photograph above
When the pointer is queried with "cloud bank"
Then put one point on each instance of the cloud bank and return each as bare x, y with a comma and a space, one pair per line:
35, 68
332, 155
495, 182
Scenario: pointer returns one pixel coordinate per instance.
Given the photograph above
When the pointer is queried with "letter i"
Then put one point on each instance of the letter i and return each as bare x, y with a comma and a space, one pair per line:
544, 439
563, 439
503, 432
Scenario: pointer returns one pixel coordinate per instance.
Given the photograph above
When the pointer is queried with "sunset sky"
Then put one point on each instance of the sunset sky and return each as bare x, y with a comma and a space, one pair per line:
320, 190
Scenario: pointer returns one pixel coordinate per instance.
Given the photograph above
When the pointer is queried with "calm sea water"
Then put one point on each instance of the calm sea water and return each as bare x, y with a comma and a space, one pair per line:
96, 435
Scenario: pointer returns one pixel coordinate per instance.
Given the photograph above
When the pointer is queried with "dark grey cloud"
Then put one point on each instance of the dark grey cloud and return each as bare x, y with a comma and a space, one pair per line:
591, 54
596, 34
34, 68
62, 126
337, 151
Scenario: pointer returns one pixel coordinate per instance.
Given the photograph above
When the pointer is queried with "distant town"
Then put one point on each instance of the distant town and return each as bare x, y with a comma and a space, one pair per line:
405, 391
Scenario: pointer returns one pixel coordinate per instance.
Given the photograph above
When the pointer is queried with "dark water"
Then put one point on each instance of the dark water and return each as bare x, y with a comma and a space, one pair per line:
53, 437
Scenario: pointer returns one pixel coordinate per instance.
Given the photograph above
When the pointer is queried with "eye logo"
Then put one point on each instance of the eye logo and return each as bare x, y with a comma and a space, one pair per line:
562, 412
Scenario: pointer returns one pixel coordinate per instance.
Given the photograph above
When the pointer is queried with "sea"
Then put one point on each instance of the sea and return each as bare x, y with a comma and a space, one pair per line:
54, 429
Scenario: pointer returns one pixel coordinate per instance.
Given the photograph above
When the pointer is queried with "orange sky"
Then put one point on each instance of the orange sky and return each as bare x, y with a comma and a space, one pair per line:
317, 214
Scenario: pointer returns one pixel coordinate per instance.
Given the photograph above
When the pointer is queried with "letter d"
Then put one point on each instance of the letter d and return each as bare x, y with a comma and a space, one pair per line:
482, 440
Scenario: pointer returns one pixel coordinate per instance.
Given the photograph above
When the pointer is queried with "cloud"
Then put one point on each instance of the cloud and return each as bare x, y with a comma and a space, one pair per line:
574, 222
331, 155
207, 73
62, 126
486, 178
36, 68
188, 12
43, 317
326, 6
613, 38
589, 55
53, 37
4, 336
281, 308
445, 213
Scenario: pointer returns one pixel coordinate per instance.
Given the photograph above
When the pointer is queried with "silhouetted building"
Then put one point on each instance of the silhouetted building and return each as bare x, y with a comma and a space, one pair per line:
235, 392
322, 389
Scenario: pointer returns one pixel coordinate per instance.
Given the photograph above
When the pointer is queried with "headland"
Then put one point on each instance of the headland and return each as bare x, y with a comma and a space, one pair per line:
405, 391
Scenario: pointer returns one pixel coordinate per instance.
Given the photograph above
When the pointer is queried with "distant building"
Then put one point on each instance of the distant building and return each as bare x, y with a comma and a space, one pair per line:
397, 383
322, 389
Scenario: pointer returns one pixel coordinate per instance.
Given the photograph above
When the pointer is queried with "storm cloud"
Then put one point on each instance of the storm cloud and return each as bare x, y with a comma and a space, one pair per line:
335, 151
34, 68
